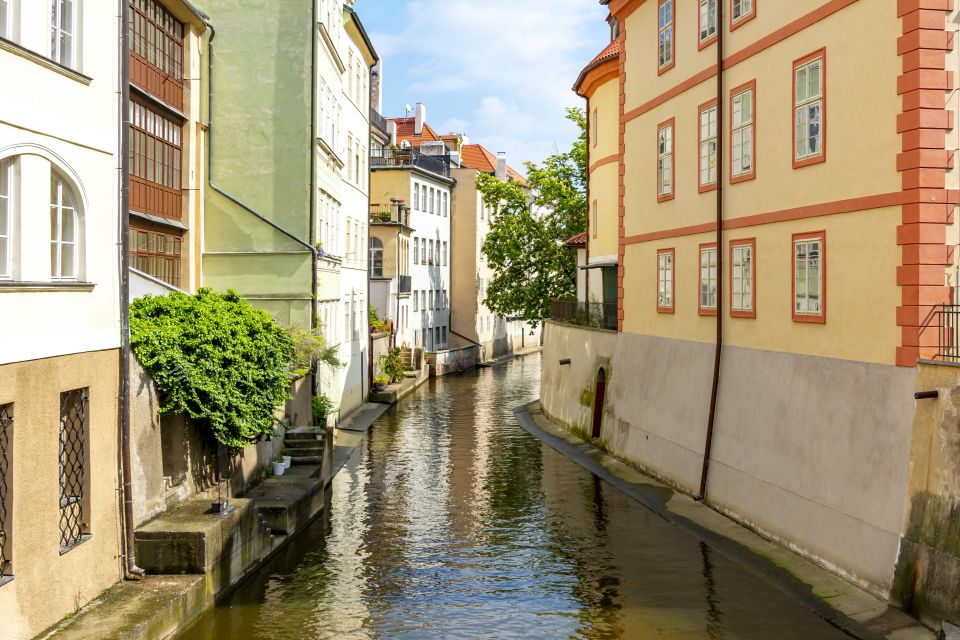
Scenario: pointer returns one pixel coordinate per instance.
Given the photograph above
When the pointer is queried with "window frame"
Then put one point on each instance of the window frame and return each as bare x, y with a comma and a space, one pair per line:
57, 242
55, 52
7, 14
703, 43
820, 318
671, 251
671, 124
702, 310
672, 25
740, 243
806, 161
704, 187
735, 93
9, 233
736, 23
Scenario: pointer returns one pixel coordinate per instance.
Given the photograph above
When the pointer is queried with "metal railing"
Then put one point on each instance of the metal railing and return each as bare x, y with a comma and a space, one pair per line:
6, 484
389, 214
404, 284
946, 321
73, 419
378, 121
599, 315
399, 157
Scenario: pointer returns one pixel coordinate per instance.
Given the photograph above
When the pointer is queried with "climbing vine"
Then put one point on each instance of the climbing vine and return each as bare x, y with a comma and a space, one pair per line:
215, 358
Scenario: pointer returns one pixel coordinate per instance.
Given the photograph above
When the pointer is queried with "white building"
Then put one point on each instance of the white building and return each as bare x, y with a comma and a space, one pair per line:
59, 308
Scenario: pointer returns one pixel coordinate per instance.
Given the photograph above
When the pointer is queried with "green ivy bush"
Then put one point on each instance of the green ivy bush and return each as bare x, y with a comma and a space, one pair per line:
215, 358
392, 365
322, 407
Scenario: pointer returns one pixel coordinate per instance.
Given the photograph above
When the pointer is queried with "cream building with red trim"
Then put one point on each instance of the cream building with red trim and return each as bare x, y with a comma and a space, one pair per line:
785, 346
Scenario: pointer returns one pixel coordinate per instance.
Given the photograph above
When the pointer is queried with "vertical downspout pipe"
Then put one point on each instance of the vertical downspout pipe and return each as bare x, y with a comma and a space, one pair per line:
132, 571
718, 351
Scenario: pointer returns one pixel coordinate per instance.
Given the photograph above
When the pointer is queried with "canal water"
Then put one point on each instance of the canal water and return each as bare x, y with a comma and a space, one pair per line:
454, 522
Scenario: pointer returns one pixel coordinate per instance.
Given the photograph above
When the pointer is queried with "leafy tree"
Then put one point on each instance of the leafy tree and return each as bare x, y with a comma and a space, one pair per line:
525, 245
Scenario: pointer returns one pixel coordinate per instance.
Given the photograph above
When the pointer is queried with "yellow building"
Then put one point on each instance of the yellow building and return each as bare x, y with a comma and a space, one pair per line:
744, 369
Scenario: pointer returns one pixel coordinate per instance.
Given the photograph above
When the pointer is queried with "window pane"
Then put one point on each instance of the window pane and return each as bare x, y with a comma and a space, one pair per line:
67, 260
813, 79
801, 84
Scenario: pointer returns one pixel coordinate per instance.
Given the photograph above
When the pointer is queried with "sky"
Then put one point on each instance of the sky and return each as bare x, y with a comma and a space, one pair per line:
498, 71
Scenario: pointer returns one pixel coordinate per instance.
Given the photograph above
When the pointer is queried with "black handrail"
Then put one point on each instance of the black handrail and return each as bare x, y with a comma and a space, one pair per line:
599, 315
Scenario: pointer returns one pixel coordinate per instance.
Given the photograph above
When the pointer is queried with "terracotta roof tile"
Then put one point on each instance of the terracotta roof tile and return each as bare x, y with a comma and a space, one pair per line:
579, 240
612, 52
476, 156
405, 131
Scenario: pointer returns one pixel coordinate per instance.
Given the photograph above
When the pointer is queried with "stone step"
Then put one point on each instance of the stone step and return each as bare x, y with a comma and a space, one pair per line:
304, 433
305, 451
301, 444
307, 460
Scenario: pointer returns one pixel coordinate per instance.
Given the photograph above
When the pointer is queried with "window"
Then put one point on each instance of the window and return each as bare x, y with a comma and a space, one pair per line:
444, 253
74, 509
430, 259
809, 118
62, 30
155, 157
157, 37
64, 231
416, 197
430, 200
6, 489
743, 272
443, 335
356, 162
742, 142
349, 155
6, 218
593, 128
439, 301
436, 333
666, 44
593, 219
156, 254
665, 161
708, 146
445, 203
415, 305
741, 11
5, 19
708, 279
809, 274
665, 284
708, 22
445, 302
376, 258
431, 300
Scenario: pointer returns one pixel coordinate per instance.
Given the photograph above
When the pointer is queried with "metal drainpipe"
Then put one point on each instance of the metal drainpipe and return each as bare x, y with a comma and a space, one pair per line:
711, 420
311, 234
132, 571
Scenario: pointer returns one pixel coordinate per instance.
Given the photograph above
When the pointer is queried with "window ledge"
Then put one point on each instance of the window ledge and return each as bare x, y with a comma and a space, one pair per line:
15, 286
5, 580
83, 539
43, 61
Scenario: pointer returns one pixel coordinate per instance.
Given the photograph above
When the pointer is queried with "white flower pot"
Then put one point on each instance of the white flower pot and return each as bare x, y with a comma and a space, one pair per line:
287, 461
278, 468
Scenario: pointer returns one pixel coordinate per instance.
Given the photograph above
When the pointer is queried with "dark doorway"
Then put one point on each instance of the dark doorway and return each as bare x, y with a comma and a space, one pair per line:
598, 397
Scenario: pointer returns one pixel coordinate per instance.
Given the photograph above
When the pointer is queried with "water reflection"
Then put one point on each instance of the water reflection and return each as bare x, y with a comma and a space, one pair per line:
455, 523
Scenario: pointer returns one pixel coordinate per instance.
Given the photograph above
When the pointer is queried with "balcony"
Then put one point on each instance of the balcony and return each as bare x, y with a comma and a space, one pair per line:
378, 121
157, 199
438, 164
155, 82
395, 213
597, 315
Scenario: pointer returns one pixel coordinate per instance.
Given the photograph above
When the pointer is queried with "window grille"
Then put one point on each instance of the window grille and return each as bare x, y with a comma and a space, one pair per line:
73, 418
6, 486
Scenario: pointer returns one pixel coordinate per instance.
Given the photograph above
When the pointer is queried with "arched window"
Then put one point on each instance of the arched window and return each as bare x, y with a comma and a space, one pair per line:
64, 230
6, 219
376, 258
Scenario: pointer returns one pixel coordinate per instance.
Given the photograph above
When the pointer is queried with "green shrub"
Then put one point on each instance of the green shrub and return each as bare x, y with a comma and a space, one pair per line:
311, 350
215, 358
381, 380
391, 365
322, 406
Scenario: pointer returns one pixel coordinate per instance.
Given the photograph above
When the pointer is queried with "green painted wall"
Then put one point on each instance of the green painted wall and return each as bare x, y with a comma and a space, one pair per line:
261, 146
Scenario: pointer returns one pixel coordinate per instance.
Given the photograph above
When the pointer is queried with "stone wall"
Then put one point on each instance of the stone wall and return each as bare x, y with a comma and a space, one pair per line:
453, 360
379, 348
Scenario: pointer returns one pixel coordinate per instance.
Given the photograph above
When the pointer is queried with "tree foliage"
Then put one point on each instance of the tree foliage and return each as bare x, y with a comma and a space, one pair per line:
215, 358
528, 228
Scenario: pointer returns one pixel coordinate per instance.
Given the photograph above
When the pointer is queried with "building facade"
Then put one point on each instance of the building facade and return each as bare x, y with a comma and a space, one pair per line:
60, 541
743, 368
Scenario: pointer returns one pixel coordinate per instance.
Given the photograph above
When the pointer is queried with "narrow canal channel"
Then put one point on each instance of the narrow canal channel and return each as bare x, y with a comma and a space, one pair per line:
454, 522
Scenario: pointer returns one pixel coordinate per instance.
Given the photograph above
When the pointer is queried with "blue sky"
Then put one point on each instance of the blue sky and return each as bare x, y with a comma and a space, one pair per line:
499, 71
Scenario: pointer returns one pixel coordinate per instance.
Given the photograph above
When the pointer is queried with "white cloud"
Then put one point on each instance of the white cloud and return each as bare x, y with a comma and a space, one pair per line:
507, 65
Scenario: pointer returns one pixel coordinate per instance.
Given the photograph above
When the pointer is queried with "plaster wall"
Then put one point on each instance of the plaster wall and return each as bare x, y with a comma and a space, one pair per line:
426, 277
604, 236
47, 585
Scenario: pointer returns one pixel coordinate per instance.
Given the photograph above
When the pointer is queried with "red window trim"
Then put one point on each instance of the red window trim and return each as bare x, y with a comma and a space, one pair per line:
799, 62
673, 281
752, 243
821, 318
705, 188
673, 41
700, 310
747, 17
701, 45
672, 123
752, 87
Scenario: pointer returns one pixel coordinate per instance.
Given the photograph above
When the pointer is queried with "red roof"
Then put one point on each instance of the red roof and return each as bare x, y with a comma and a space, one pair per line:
579, 240
612, 52
476, 156
405, 131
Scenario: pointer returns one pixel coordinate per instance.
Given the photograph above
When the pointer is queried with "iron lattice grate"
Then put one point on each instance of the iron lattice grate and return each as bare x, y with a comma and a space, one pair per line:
73, 416
6, 425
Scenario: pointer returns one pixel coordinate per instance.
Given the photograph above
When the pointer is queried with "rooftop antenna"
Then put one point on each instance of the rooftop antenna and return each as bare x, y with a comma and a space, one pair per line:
408, 109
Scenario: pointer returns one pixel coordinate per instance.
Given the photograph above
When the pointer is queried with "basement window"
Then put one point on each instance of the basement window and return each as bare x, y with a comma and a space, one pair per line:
74, 494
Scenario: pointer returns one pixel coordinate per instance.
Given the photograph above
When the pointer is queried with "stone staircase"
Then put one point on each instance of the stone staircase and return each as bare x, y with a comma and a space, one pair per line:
410, 359
304, 445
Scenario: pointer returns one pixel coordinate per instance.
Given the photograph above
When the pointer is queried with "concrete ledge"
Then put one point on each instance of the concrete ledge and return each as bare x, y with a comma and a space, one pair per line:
288, 503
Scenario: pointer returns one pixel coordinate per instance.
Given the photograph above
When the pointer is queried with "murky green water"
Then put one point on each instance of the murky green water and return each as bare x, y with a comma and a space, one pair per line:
453, 522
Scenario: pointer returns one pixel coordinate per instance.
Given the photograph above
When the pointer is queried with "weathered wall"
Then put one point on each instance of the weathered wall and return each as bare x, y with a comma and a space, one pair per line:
927, 579
380, 349
46, 584
453, 360
808, 450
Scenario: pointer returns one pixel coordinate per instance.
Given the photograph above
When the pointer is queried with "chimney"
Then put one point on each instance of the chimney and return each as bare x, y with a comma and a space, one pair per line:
421, 116
392, 131
502, 166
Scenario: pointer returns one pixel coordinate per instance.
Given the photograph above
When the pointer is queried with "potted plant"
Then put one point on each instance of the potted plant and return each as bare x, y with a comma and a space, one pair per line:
278, 467
287, 460
380, 383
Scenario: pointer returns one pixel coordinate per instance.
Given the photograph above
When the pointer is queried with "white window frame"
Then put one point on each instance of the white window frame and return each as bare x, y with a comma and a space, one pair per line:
57, 243
67, 57
741, 134
808, 306
740, 9
665, 280
665, 34
6, 19
416, 196
7, 238
708, 129
741, 277
708, 19
804, 103
708, 279
665, 160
